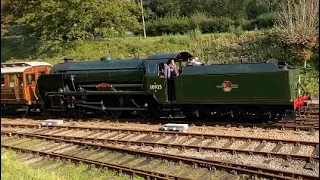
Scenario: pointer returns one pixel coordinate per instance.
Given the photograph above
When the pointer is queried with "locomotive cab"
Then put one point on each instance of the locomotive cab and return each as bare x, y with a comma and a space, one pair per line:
156, 81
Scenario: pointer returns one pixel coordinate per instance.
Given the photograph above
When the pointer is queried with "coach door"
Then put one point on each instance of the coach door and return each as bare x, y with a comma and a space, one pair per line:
19, 87
11, 87
30, 86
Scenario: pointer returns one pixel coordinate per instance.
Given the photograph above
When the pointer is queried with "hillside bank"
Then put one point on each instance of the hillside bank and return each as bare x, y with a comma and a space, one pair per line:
252, 46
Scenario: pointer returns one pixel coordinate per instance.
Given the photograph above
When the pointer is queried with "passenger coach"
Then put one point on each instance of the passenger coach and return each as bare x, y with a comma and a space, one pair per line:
18, 84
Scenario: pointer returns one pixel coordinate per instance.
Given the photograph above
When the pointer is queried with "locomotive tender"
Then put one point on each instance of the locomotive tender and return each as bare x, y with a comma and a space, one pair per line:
112, 88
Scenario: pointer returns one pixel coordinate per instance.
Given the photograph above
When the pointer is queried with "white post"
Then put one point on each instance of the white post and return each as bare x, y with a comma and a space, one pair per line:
143, 23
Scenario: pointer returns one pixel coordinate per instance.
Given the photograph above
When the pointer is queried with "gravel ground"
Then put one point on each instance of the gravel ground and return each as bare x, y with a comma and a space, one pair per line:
136, 137
286, 149
190, 141
236, 144
177, 140
236, 131
305, 150
219, 143
268, 147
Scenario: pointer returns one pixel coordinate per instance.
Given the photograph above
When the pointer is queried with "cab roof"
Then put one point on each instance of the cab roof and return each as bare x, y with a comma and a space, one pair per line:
184, 56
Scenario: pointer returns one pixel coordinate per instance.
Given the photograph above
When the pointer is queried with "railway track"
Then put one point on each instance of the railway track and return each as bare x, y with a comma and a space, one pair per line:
286, 149
301, 123
61, 147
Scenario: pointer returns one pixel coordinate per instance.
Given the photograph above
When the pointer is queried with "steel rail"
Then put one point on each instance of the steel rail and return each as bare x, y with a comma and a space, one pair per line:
209, 163
163, 133
76, 159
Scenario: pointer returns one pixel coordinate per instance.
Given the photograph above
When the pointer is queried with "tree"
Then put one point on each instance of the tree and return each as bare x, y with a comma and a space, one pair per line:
5, 18
11, 10
77, 19
299, 26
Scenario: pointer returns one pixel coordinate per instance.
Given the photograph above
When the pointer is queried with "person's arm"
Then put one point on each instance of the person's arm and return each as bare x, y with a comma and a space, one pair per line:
176, 70
166, 71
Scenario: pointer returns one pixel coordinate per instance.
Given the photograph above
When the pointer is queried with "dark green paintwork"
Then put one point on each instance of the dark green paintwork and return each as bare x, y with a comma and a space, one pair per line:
152, 78
231, 68
257, 83
254, 84
109, 71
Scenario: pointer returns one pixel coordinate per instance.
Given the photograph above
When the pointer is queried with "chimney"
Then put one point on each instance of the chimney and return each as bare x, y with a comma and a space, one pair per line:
68, 60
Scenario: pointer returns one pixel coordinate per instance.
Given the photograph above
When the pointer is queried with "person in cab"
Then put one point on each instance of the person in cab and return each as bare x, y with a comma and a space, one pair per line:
194, 62
171, 69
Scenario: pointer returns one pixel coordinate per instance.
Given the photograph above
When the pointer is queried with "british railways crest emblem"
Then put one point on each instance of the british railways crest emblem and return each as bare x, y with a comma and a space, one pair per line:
227, 86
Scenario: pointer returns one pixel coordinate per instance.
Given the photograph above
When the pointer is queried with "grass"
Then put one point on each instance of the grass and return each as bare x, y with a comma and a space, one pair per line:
209, 47
13, 169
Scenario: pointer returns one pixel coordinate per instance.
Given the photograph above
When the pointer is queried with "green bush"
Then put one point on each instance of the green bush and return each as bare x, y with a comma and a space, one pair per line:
169, 25
211, 25
243, 23
172, 25
310, 81
266, 20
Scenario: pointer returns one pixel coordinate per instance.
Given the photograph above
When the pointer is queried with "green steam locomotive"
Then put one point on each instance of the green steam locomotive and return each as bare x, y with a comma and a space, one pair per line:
113, 88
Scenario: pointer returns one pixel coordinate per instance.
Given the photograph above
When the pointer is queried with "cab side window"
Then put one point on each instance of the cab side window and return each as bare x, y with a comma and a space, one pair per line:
152, 68
161, 70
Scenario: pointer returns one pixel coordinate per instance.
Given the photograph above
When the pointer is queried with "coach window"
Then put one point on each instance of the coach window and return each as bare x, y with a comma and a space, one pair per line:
3, 83
41, 72
30, 79
20, 80
11, 80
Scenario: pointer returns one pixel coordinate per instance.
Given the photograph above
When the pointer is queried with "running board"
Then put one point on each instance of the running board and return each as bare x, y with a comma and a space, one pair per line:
113, 108
173, 117
174, 109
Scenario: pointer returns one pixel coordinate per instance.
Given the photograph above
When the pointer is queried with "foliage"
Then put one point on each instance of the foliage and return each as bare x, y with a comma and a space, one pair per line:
266, 20
310, 80
169, 25
172, 25
235, 9
76, 19
298, 26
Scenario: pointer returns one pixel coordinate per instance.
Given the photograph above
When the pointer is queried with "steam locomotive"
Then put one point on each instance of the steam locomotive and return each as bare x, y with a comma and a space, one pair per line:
114, 88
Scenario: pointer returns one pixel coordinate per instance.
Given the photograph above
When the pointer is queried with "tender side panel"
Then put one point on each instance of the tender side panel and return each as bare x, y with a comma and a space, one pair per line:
257, 88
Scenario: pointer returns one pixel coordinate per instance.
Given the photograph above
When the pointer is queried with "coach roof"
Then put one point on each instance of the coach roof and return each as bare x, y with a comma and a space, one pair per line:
19, 67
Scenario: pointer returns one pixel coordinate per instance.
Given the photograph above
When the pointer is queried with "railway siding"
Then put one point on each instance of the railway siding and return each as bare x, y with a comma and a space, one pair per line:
210, 164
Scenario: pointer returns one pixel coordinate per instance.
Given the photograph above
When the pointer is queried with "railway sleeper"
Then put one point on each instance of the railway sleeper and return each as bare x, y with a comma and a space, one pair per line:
310, 166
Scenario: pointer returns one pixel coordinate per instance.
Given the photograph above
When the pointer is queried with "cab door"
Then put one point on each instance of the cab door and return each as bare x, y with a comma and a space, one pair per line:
156, 82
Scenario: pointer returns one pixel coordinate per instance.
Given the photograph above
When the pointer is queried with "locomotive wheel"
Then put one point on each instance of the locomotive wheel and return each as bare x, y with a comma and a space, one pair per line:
113, 102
